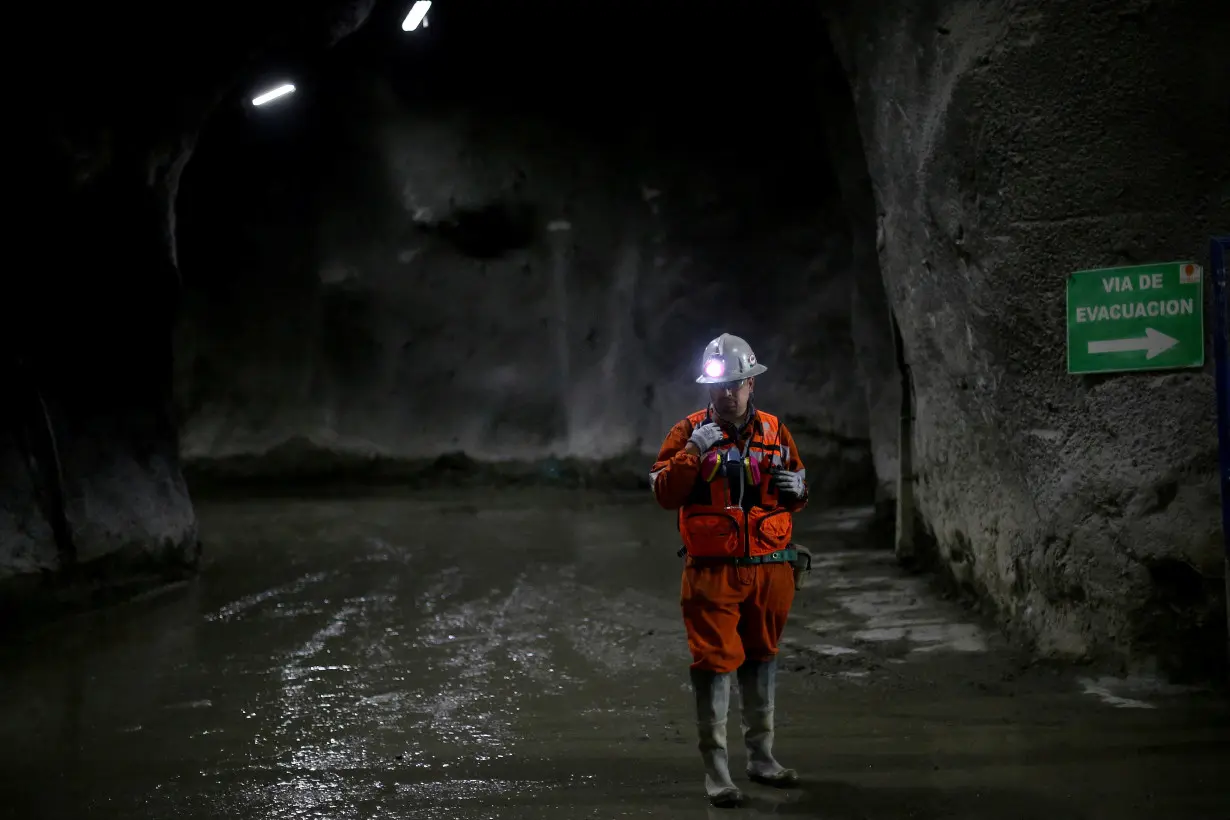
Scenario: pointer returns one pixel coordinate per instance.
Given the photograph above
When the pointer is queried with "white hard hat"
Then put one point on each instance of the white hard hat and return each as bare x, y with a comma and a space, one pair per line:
728, 359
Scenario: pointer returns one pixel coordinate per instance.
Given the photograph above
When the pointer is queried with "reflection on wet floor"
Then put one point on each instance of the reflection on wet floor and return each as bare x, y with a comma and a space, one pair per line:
417, 658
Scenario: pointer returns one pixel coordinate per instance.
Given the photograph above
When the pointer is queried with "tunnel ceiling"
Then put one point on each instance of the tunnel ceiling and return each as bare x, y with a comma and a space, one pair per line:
719, 79
681, 95
181, 60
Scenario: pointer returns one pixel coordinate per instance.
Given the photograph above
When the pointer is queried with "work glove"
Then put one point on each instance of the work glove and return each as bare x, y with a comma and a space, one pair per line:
706, 436
791, 484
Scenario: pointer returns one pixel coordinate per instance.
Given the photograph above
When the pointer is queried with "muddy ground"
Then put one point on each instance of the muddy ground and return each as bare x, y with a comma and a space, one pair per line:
418, 656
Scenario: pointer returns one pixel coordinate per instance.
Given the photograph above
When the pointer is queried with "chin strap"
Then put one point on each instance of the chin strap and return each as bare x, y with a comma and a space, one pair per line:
748, 415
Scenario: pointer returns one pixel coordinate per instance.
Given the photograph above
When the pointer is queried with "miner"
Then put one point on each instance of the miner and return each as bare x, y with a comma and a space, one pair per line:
735, 477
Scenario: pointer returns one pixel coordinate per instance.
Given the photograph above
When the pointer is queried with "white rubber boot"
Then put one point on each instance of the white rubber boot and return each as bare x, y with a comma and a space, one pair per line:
757, 685
712, 705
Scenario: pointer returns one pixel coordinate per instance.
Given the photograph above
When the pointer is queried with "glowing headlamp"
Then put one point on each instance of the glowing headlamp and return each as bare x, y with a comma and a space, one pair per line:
714, 368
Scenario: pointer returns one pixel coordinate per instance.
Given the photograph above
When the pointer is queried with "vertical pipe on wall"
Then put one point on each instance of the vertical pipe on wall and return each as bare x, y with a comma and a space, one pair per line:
1219, 249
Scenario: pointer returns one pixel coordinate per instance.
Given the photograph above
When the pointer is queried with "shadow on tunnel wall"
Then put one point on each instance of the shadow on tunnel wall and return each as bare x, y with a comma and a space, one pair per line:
420, 266
93, 503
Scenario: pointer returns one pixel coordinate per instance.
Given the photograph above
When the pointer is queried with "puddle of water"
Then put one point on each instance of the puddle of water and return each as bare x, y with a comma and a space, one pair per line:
854, 581
831, 650
1104, 694
932, 637
1127, 693
823, 626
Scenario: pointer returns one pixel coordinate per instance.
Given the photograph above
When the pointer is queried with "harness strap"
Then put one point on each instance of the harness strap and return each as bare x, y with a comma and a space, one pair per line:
787, 555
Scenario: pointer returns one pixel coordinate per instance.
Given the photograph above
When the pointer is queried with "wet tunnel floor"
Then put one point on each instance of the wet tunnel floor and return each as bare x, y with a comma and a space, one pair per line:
422, 657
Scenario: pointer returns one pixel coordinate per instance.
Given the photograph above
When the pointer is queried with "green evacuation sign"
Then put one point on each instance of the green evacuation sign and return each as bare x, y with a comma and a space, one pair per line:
1144, 317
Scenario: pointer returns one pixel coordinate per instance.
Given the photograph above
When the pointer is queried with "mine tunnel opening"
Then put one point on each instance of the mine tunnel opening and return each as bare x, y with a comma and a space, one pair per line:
497, 241
486, 255
958, 211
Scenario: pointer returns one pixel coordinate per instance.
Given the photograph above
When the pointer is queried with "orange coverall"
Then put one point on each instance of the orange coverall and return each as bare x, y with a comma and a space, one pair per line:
730, 612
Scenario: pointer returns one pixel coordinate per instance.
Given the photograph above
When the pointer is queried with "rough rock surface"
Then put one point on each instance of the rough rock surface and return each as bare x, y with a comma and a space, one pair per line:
1008, 144
376, 273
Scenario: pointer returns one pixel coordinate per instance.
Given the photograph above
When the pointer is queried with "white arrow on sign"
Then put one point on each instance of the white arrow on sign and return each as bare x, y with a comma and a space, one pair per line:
1155, 342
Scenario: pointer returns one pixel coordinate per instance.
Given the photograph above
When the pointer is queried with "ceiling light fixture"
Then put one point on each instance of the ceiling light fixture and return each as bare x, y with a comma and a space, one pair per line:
417, 15
273, 94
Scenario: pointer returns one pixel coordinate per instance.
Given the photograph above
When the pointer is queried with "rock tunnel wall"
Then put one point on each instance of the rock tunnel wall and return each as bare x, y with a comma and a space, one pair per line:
1008, 144
429, 276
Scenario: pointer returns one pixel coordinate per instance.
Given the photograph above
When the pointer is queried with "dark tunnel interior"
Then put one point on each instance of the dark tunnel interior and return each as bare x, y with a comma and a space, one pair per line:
346, 464
519, 238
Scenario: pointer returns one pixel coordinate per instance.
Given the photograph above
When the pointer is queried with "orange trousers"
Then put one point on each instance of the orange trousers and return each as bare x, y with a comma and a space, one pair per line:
734, 613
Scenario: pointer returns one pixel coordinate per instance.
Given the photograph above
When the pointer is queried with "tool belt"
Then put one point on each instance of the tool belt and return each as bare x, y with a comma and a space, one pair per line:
783, 556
